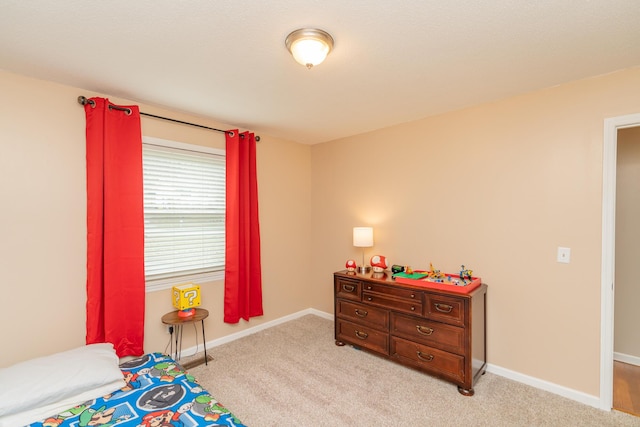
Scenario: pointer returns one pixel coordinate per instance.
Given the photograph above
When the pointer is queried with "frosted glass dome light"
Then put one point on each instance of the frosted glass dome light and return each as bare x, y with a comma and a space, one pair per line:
309, 46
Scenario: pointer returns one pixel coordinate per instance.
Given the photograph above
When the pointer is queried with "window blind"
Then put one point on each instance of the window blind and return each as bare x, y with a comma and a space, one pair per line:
184, 211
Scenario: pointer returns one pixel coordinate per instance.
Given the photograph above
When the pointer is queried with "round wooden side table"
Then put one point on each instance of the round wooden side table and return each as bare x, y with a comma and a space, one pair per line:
177, 322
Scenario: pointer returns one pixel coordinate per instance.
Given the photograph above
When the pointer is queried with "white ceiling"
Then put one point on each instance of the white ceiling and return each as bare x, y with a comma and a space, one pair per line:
393, 61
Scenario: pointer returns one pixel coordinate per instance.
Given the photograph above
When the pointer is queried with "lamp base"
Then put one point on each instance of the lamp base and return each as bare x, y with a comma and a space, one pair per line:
188, 312
364, 269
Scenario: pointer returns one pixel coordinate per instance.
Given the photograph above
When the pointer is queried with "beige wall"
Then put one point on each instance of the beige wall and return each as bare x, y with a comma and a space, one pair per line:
497, 188
43, 222
627, 289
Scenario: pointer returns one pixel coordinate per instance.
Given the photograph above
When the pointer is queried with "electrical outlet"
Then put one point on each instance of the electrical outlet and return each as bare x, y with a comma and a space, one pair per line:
170, 329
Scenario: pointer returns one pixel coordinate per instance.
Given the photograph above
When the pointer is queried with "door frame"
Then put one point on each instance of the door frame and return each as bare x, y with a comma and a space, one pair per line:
607, 289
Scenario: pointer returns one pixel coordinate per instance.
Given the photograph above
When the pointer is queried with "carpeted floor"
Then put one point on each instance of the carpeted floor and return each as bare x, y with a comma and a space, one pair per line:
294, 375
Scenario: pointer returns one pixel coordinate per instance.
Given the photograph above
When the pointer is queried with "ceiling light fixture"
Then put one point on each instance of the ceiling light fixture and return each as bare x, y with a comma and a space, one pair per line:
309, 46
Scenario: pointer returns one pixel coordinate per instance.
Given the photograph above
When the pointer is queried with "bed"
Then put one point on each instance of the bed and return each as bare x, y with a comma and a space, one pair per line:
151, 390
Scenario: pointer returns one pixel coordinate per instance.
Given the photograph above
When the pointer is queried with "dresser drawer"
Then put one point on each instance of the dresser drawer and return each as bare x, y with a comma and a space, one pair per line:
346, 288
362, 336
402, 305
431, 359
436, 334
408, 294
355, 312
445, 308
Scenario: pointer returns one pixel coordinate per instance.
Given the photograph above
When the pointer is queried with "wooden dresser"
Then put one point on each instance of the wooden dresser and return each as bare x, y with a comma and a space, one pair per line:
435, 331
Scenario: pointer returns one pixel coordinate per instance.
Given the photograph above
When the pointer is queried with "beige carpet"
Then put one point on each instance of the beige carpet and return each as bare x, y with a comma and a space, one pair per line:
294, 375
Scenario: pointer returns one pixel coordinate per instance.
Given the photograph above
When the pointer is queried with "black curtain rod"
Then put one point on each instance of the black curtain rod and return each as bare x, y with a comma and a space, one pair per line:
84, 101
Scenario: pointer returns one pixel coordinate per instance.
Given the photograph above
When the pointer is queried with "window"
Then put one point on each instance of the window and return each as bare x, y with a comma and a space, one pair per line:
184, 213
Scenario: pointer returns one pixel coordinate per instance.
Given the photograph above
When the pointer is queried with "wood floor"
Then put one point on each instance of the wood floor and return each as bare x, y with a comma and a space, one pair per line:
626, 388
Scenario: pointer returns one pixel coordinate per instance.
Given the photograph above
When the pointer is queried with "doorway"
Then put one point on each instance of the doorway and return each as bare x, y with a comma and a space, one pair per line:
611, 127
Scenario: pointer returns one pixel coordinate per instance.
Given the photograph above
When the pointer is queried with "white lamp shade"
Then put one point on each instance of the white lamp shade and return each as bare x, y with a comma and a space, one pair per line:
362, 237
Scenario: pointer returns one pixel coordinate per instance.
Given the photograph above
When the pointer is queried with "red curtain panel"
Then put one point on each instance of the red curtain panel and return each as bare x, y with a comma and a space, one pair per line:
243, 272
115, 227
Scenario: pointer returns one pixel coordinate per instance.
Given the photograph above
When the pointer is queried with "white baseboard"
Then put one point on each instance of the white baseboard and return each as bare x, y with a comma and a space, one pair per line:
626, 358
578, 396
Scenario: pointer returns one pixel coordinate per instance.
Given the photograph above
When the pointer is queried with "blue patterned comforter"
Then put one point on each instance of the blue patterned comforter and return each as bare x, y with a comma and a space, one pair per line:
158, 393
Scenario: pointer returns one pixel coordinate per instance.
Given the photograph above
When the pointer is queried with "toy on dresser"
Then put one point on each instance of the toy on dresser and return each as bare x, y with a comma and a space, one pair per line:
378, 263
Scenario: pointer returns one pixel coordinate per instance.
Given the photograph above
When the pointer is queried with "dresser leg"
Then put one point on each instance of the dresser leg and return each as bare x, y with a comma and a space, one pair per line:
339, 343
465, 392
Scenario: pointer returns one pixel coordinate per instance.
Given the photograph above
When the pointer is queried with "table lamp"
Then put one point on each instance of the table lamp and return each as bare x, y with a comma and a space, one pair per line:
363, 238
186, 298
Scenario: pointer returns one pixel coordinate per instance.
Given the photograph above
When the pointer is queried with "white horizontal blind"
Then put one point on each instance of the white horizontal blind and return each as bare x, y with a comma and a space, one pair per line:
184, 211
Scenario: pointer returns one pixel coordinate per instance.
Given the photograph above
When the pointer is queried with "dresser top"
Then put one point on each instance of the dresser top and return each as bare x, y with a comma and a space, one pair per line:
386, 278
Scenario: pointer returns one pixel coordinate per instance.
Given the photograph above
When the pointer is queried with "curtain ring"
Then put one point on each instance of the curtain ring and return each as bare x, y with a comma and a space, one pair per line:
231, 133
127, 111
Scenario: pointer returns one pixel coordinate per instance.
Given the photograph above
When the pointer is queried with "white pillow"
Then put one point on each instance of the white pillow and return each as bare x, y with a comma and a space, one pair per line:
38, 413
67, 378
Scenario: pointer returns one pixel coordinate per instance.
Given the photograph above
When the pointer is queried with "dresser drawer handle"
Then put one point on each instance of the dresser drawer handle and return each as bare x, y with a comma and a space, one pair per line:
424, 330
369, 299
362, 335
361, 313
413, 308
425, 358
348, 288
413, 295
444, 308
